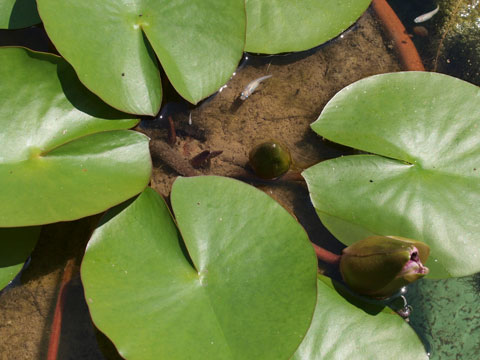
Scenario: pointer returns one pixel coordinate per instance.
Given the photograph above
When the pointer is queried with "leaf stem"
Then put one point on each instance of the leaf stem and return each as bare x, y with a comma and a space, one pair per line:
326, 256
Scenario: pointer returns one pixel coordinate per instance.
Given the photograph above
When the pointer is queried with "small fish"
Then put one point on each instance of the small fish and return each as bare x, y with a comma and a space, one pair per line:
250, 88
426, 16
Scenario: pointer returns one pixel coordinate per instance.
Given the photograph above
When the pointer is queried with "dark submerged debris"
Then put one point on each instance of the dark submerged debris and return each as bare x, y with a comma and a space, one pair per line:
203, 159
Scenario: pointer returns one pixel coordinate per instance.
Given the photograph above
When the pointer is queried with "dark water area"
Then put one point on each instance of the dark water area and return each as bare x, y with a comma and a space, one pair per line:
449, 41
445, 312
34, 38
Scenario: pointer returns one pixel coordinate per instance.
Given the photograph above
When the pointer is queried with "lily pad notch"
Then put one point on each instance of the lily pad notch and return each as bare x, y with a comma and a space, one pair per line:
241, 283
67, 154
421, 178
199, 44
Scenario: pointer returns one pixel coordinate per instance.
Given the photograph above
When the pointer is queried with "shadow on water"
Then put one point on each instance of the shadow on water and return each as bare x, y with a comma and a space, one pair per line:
11, 239
34, 38
368, 306
78, 329
84, 100
28, 307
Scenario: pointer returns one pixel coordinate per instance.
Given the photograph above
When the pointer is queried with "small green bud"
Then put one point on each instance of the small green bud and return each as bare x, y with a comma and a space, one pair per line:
270, 160
378, 266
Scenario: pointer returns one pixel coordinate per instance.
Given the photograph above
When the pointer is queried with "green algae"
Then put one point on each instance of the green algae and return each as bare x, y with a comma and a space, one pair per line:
446, 315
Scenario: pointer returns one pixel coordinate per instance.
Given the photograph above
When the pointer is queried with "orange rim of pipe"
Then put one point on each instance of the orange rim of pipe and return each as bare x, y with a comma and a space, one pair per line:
396, 31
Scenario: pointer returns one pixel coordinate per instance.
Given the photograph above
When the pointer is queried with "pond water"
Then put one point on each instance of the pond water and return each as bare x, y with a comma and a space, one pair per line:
445, 313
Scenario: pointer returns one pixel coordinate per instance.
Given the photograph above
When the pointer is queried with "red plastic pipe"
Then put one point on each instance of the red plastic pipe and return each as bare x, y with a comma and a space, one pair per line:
406, 49
57, 317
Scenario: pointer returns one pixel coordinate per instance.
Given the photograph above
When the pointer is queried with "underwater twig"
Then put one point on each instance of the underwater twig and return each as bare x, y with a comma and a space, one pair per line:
203, 158
172, 136
56, 329
406, 49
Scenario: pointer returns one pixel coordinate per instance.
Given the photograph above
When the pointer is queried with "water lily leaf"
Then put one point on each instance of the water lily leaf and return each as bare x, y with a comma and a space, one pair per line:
341, 330
17, 14
240, 285
277, 26
112, 46
63, 153
424, 182
16, 244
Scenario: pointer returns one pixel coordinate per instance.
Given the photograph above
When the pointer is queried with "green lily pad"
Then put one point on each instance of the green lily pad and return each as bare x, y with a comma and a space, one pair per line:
276, 26
341, 330
63, 153
424, 182
17, 14
16, 244
241, 284
112, 46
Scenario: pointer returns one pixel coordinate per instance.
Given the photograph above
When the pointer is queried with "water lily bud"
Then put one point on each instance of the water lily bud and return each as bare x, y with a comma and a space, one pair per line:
270, 159
378, 266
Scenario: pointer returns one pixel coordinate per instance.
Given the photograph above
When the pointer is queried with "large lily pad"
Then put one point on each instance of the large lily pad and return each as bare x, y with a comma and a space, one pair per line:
16, 14
241, 284
276, 26
109, 43
341, 330
16, 244
63, 153
424, 183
